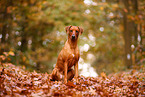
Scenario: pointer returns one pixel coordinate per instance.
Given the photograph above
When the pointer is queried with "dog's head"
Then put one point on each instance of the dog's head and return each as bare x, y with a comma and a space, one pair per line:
73, 31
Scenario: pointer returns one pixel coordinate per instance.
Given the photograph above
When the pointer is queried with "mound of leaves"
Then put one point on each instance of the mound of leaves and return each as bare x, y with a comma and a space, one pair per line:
15, 81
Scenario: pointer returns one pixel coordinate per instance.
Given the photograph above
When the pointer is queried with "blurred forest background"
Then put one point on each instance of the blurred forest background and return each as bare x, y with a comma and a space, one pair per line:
113, 38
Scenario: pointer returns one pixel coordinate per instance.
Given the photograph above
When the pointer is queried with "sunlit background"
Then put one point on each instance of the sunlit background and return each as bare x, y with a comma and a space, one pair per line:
113, 38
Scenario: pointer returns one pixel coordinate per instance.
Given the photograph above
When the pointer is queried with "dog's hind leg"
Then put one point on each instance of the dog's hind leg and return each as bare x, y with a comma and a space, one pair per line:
56, 75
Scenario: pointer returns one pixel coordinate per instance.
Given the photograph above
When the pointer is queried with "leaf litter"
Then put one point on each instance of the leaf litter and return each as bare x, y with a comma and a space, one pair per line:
15, 81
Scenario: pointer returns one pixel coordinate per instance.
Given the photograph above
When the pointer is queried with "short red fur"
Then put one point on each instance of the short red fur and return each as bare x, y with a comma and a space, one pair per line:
68, 57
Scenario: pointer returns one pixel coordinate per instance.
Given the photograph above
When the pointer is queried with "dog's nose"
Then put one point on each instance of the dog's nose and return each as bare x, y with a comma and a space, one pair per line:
73, 36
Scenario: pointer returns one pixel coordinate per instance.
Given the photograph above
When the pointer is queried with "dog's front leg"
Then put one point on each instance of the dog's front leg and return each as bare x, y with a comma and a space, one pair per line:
65, 72
76, 72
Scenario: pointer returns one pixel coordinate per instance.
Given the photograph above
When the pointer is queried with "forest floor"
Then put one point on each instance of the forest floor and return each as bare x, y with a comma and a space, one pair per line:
16, 81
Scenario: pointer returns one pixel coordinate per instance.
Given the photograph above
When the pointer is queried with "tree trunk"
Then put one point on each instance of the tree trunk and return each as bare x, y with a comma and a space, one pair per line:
127, 36
24, 42
6, 25
24, 35
135, 8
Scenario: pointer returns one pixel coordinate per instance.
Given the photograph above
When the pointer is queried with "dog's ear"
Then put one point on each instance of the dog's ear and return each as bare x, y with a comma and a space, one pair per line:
81, 30
67, 29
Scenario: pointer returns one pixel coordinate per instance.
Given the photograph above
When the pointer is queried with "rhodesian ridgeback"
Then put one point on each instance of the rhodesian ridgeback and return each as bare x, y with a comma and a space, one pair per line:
68, 57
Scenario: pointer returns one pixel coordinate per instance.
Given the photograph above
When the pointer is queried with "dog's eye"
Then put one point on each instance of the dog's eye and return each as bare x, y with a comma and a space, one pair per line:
70, 30
77, 31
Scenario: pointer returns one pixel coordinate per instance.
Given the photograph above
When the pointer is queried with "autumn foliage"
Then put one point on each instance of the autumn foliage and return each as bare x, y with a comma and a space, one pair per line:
16, 81
113, 29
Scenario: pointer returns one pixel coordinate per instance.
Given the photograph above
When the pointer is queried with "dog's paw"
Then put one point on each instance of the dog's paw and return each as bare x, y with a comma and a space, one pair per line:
65, 81
61, 77
75, 80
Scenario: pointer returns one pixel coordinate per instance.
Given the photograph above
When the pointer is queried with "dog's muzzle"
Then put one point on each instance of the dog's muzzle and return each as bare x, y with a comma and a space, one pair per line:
73, 36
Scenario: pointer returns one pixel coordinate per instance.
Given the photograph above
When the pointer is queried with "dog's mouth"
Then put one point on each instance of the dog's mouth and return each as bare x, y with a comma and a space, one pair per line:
73, 37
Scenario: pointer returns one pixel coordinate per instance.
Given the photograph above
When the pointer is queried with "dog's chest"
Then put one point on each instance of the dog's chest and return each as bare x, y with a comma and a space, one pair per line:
72, 59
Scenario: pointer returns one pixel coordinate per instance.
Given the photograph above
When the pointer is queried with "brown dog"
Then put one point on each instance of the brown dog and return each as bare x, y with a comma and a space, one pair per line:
68, 57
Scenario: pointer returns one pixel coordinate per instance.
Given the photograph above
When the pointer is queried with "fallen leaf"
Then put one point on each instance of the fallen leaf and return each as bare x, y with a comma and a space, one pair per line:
70, 84
11, 53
